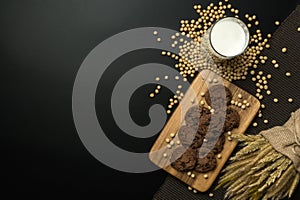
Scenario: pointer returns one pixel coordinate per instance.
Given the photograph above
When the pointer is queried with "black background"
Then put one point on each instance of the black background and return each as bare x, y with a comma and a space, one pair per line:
43, 44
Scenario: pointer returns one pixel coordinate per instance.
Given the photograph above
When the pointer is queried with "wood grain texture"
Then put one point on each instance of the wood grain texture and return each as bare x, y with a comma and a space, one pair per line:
192, 98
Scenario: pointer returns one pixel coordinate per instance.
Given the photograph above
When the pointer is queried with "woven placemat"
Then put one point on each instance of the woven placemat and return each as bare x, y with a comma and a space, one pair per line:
282, 88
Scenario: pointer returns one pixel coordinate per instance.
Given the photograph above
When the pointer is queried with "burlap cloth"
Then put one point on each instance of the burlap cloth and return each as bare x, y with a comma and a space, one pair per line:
282, 87
286, 139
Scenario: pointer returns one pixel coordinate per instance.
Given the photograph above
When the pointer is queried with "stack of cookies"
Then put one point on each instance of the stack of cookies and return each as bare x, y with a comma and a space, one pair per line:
201, 137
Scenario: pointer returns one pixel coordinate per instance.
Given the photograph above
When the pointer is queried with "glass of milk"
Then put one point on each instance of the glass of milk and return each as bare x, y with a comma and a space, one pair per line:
227, 38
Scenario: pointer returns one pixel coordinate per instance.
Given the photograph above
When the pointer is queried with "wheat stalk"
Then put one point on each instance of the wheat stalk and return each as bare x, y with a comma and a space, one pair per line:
258, 171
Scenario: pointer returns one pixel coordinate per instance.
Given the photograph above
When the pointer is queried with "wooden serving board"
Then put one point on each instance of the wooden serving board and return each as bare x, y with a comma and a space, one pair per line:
160, 152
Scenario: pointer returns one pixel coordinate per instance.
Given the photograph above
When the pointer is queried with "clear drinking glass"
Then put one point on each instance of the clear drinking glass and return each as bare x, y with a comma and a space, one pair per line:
226, 38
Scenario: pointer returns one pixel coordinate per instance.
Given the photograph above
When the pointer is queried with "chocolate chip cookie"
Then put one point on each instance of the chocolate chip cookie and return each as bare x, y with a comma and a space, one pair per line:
232, 119
214, 94
189, 137
193, 115
224, 121
184, 159
206, 164
217, 123
219, 145
204, 123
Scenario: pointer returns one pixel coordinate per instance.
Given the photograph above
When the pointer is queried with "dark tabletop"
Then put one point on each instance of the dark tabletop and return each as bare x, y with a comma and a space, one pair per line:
43, 44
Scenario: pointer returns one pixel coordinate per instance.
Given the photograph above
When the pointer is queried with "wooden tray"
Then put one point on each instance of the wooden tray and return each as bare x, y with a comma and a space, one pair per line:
160, 152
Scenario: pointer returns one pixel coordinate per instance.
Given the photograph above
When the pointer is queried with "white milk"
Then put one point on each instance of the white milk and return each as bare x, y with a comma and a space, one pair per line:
229, 37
